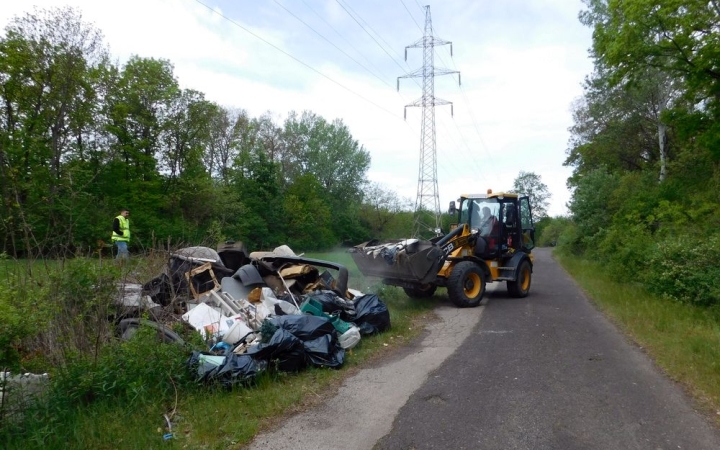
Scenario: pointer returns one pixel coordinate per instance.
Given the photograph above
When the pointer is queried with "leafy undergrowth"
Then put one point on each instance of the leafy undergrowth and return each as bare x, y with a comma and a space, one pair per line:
683, 339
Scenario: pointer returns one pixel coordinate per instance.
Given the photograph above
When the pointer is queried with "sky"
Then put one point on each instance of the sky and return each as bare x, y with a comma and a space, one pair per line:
521, 64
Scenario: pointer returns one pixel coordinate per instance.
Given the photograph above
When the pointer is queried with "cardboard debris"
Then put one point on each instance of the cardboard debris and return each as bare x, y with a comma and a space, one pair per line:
297, 271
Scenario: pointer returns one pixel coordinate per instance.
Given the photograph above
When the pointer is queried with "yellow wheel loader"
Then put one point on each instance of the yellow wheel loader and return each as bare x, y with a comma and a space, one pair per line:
491, 241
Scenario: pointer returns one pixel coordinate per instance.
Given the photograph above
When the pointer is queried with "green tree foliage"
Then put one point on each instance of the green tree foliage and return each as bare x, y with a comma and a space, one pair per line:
81, 137
619, 126
590, 205
48, 63
551, 233
384, 214
678, 38
307, 215
674, 36
645, 146
327, 151
530, 184
257, 182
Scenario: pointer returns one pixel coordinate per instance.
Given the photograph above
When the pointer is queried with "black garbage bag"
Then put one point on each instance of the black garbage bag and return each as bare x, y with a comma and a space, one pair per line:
304, 327
332, 303
238, 369
204, 371
325, 352
371, 314
284, 349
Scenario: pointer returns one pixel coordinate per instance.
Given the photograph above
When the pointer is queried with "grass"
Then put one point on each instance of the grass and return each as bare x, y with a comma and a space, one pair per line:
684, 340
214, 418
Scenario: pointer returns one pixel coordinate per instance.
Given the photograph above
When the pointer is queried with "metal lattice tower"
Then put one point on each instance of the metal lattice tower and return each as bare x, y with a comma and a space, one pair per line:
428, 197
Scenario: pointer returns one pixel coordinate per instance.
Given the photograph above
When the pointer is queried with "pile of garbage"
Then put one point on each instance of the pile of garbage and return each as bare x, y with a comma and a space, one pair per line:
259, 311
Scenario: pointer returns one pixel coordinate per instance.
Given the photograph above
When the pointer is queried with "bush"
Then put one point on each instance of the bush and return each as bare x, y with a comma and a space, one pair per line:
624, 249
140, 370
549, 236
78, 299
20, 317
685, 269
569, 239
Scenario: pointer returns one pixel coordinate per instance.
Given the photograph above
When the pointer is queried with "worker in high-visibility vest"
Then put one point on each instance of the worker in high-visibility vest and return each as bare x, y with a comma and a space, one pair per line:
121, 233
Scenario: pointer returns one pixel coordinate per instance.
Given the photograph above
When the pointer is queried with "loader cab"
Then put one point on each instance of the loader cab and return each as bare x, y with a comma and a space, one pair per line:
502, 222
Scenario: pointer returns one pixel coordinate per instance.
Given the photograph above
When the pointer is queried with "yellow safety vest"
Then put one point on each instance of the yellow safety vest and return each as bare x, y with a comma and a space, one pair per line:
124, 227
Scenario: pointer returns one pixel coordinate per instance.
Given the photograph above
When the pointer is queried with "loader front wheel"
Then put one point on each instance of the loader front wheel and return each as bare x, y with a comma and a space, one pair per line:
521, 286
466, 284
420, 291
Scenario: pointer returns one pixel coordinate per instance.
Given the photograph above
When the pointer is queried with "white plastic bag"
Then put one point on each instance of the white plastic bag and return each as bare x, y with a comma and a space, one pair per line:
269, 300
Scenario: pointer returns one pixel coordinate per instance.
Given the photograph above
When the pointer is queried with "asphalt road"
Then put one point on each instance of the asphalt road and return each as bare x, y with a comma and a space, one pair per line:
544, 372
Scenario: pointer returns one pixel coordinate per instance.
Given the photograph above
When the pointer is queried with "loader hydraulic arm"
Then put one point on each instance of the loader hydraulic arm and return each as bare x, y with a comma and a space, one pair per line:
459, 237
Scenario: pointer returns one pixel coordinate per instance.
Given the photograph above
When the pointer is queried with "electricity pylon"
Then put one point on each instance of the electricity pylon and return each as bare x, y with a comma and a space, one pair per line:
428, 197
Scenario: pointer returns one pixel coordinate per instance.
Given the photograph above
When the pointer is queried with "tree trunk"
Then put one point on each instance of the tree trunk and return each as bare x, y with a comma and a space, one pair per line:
661, 145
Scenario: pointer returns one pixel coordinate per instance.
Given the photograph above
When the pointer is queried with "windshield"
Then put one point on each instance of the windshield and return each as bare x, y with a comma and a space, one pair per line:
480, 213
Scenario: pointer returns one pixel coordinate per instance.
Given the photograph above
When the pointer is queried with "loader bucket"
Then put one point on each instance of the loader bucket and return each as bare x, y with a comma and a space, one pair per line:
404, 260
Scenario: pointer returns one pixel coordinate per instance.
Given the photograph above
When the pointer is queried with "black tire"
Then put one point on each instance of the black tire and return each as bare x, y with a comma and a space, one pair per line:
421, 291
128, 327
466, 284
521, 286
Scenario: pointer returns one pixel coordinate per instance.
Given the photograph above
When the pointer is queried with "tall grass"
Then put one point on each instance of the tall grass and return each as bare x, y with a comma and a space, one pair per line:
683, 339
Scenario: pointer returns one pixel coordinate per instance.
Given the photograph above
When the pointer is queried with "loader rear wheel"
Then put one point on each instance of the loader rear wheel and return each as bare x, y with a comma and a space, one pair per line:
420, 291
521, 286
466, 284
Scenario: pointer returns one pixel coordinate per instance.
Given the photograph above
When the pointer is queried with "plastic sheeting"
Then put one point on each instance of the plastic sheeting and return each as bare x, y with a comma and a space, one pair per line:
304, 327
228, 370
372, 315
325, 352
283, 349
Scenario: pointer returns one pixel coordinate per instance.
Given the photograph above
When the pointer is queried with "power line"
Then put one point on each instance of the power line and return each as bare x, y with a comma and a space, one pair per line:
411, 16
371, 36
296, 59
366, 23
342, 37
331, 43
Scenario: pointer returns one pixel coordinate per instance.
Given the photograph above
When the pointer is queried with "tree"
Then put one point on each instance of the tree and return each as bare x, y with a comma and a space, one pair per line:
530, 184
621, 126
590, 204
230, 131
48, 63
679, 39
381, 207
328, 152
307, 216
138, 104
257, 181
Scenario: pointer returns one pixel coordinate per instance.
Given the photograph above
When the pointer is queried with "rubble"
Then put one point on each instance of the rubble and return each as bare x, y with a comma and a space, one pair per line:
263, 311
